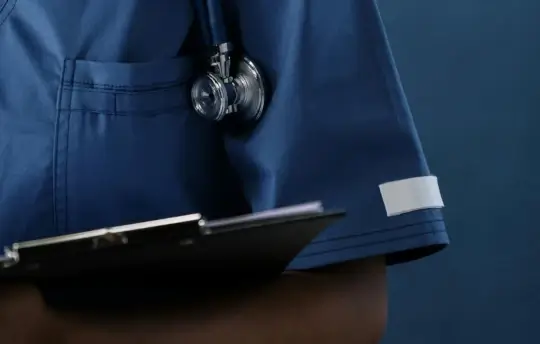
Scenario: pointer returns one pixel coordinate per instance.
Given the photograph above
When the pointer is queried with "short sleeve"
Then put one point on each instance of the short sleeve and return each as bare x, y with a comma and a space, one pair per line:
338, 129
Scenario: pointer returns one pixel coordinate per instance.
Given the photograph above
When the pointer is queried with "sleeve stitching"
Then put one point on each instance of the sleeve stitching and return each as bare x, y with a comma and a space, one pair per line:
374, 242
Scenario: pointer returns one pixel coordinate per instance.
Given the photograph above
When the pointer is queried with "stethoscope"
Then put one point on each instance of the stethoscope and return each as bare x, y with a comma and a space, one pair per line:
232, 86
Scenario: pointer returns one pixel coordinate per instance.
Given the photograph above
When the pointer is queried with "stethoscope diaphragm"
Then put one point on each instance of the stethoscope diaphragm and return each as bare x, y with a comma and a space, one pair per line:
233, 86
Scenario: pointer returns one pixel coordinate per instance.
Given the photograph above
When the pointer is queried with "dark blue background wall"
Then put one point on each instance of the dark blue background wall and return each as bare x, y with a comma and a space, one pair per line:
471, 70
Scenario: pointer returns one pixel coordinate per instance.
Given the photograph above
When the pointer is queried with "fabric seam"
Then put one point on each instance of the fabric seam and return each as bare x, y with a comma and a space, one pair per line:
9, 11
377, 231
373, 242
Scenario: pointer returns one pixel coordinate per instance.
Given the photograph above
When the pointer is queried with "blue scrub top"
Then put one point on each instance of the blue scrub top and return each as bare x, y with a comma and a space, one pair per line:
97, 128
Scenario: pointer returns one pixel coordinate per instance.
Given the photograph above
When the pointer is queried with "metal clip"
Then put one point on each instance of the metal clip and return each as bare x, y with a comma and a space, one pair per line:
9, 259
221, 61
109, 239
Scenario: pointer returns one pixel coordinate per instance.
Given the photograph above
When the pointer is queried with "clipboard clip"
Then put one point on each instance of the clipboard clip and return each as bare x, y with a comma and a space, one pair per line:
109, 239
9, 258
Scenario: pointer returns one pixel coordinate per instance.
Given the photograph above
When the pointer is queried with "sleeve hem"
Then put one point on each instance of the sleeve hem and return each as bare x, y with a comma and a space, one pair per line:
421, 240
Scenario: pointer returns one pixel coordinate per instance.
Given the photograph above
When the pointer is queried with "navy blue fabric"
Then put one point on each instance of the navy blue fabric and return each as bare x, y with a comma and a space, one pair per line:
471, 70
97, 128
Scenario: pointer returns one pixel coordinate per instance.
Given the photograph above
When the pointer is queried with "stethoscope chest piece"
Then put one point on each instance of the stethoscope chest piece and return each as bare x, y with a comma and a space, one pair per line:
234, 86
216, 95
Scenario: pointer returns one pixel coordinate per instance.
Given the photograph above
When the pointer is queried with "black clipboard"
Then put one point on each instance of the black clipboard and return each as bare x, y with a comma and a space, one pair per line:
187, 245
177, 262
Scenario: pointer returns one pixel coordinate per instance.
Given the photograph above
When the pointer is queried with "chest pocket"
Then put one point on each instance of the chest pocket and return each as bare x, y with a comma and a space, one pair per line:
129, 148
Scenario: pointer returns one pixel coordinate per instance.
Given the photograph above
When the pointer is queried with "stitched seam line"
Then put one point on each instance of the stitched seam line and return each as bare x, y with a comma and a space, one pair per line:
377, 231
55, 149
66, 165
145, 87
123, 91
9, 11
130, 113
372, 243
4, 5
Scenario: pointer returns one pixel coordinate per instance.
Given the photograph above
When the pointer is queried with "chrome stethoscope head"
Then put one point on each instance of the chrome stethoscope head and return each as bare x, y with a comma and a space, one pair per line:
243, 94
232, 86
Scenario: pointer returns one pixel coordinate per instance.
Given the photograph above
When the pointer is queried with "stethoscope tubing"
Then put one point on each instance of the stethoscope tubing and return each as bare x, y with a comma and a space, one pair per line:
211, 18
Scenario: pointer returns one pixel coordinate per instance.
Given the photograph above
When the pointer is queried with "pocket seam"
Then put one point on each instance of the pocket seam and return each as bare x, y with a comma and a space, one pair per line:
60, 157
129, 75
5, 10
142, 113
114, 110
105, 95
151, 87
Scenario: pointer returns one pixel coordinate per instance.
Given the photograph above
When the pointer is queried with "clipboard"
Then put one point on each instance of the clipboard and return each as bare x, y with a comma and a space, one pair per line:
188, 246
